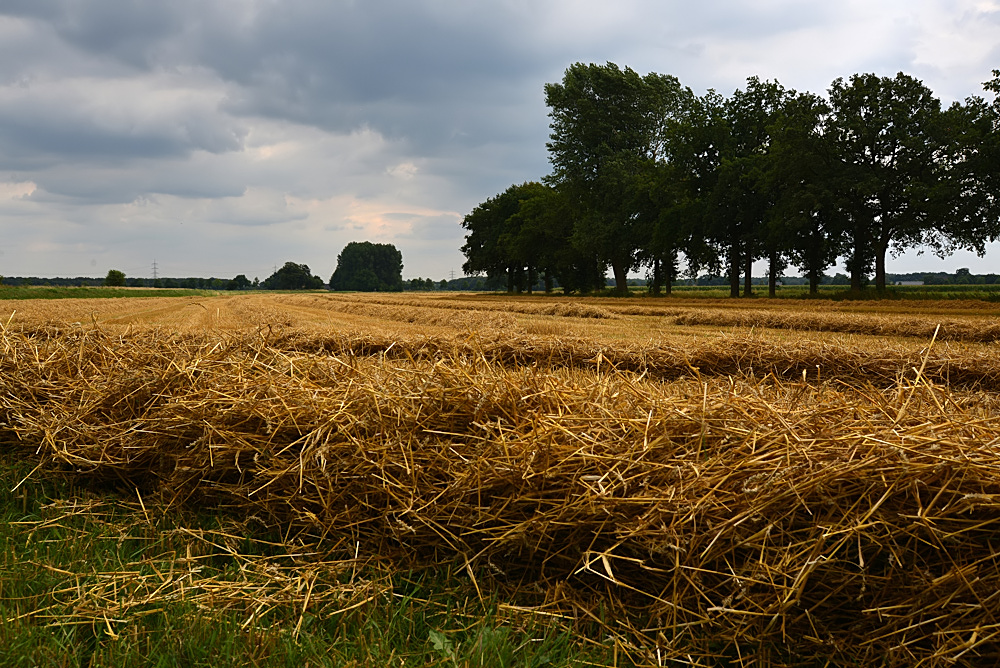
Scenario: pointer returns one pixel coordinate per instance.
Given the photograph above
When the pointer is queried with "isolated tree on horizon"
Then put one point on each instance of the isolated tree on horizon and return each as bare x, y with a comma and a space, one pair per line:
115, 279
293, 276
366, 267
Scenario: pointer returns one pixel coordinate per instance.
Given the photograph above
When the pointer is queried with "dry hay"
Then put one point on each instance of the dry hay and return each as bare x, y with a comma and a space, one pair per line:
416, 307
731, 355
717, 502
950, 329
263, 575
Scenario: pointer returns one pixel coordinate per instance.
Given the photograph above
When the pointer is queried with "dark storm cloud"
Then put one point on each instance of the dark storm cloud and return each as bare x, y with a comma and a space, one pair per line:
402, 68
431, 74
128, 30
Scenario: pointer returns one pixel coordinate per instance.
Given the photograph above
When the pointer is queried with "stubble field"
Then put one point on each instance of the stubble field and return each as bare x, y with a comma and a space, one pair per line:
682, 482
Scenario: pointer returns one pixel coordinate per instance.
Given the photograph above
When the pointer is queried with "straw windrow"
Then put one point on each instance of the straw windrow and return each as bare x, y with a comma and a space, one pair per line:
734, 500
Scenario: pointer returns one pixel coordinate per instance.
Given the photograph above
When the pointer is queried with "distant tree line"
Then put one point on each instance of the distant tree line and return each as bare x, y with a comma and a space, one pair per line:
190, 283
463, 284
485, 283
361, 266
648, 175
367, 267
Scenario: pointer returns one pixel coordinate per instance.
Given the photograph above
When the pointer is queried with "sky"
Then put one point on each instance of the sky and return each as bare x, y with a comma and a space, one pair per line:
225, 137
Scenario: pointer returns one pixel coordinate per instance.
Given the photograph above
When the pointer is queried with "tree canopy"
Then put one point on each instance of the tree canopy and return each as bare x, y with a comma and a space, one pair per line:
366, 267
115, 278
293, 276
240, 282
608, 129
645, 173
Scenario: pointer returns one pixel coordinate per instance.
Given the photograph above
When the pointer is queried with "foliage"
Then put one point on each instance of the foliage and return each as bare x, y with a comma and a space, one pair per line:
885, 134
293, 277
742, 199
114, 279
367, 267
645, 174
240, 282
515, 234
608, 128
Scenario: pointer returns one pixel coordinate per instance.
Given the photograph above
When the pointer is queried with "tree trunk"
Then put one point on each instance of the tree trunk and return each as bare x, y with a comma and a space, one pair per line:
548, 281
669, 272
532, 277
654, 288
621, 278
812, 270
734, 270
510, 280
855, 263
772, 275
880, 270
748, 275
857, 271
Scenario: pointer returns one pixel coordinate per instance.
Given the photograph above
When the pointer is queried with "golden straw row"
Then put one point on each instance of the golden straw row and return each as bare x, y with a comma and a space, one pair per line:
721, 504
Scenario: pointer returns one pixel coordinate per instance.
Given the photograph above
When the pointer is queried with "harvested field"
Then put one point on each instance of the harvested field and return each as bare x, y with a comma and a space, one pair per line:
764, 495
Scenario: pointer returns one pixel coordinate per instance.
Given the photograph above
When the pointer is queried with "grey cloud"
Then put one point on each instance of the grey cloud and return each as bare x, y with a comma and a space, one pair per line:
116, 186
172, 105
128, 30
105, 121
399, 67
436, 228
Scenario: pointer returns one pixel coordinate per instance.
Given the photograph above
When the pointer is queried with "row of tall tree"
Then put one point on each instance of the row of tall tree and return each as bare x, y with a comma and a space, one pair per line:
647, 174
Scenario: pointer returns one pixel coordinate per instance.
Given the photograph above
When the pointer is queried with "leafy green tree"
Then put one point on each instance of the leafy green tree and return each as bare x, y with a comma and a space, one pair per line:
886, 134
525, 234
742, 199
526, 231
693, 153
968, 190
486, 224
607, 125
366, 267
293, 276
668, 191
240, 282
115, 278
806, 218
539, 236
494, 245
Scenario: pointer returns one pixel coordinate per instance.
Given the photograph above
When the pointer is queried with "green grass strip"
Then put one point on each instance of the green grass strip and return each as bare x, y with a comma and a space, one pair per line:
102, 579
